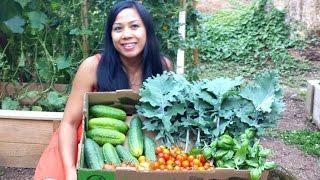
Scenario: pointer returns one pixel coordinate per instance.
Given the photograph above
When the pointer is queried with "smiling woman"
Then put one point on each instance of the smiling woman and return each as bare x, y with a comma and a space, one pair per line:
130, 55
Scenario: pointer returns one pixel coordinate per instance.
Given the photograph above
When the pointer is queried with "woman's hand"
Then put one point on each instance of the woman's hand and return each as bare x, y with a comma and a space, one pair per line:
71, 174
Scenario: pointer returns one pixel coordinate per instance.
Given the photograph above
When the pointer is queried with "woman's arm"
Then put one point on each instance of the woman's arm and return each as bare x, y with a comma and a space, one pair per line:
84, 81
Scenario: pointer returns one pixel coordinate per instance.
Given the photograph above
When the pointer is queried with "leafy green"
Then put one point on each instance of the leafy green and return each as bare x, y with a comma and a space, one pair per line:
244, 153
54, 101
179, 110
15, 24
37, 19
9, 104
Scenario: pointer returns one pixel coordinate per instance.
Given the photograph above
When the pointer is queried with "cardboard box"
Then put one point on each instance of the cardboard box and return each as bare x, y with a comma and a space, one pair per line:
126, 99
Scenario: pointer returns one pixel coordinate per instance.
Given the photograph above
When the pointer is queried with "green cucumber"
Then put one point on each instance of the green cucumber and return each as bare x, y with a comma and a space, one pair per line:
149, 149
110, 154
108, 123
135, 137
102, 136
125, 155
93, 154
107, 111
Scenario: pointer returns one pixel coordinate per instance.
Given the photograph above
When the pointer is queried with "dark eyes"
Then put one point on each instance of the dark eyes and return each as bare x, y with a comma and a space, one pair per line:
135, 26
120, 28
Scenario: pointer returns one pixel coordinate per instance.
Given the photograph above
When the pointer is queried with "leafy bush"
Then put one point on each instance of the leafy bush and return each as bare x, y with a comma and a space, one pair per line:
176, 109
255, 35
43, 42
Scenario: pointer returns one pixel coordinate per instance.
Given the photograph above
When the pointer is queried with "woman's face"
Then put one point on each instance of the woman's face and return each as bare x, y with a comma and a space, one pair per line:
128, 34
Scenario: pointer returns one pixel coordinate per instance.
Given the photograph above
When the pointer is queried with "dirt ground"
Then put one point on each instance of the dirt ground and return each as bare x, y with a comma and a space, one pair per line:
290, 158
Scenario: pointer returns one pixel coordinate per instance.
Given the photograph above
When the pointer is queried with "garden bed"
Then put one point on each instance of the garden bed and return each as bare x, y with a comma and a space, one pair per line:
28, 130
313, 101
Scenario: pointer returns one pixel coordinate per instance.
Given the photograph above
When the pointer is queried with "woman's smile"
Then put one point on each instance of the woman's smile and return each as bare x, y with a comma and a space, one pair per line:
129, 34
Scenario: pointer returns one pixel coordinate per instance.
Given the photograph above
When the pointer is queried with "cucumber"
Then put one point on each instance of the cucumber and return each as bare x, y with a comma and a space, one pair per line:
102, 136
92, 154
110, 154
108, 123
125, 155
149, 149
107, 111
135, 137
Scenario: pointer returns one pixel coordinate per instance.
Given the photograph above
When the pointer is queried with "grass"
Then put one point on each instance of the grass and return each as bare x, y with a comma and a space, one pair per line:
293, 80
306, 140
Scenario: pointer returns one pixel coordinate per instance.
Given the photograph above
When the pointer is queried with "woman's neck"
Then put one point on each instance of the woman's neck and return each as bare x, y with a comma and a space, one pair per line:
133, 69
132, 65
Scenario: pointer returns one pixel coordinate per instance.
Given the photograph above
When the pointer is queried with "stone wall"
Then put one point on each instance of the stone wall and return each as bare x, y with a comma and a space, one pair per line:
305, 11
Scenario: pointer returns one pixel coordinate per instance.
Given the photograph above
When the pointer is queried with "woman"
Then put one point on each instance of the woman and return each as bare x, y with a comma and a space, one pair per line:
131, 54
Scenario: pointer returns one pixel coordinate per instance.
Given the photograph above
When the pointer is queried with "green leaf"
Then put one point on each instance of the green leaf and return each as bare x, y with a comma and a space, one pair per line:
37, 19
55, 100
253, 163
44, 69
262, 91
221, 86
265, 152
36, 108
9, 104
255, 173
63, 63
15, 24
270, 165
241, 153
23, 3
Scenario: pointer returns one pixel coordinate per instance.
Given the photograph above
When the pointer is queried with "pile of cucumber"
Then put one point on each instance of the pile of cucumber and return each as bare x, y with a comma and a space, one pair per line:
108, 131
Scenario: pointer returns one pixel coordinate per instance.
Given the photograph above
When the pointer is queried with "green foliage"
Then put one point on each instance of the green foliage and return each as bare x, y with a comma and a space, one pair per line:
241, 152
43, 41
254, 37
177, 109
306, 140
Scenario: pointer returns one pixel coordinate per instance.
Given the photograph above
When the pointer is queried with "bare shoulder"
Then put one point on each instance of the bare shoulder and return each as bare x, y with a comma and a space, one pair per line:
91, 63
87, 71
168, 63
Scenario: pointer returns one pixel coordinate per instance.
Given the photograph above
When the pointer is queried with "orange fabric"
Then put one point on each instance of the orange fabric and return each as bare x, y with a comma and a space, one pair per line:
50, 163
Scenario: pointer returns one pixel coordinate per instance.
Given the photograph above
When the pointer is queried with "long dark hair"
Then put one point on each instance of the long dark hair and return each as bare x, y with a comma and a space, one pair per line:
110, 74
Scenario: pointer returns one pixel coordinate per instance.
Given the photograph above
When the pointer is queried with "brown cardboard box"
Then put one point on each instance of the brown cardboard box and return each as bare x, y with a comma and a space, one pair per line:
126, 100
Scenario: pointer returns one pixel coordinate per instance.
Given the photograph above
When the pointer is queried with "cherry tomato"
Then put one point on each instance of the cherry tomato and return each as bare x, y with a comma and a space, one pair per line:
201, 158
190, 158
156, 165
169, 162
169, 167
196, 162
166, 151
166, 156
161, 161
177, 162
162, 167
180, 157
160, 155
185, 163
158, 150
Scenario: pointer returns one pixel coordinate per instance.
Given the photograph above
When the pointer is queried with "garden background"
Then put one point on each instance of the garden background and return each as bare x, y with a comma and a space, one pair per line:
44, 43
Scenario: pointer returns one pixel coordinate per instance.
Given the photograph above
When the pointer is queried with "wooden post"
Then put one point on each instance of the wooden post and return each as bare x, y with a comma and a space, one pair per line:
182, 33
195, 51
85, 25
